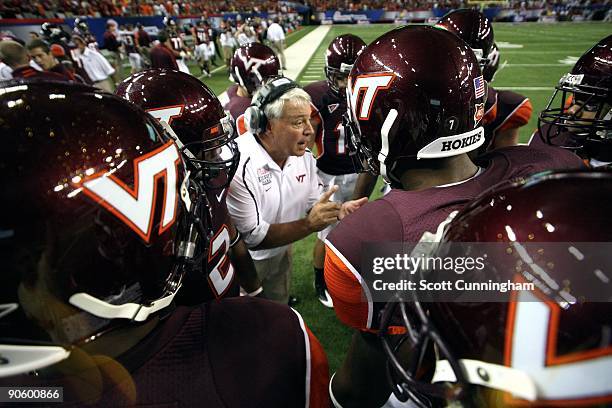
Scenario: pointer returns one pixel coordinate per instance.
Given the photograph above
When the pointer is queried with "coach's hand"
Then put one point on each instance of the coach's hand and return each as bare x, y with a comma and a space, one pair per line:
324, 212
351, 206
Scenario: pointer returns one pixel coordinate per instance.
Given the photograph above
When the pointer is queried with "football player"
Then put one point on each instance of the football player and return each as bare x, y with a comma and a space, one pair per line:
579, 115
202, 50
504, 111
128, 40
334, 165
93, 233
413, 118
206, 135
537, 347
250, 67
177, 44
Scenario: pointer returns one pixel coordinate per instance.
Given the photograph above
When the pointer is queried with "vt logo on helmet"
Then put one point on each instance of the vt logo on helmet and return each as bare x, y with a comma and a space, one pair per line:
204, 131
252, 64
90, 224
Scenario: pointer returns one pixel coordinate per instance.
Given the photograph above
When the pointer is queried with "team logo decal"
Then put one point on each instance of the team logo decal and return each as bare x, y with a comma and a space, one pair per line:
478, 113
364, 89
332, 107
167, 113
254, 62
136, 206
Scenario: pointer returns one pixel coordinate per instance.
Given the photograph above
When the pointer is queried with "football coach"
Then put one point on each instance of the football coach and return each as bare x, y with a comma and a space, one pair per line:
276, 197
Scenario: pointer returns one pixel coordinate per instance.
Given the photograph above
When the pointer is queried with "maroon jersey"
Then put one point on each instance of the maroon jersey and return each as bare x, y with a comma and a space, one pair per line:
213, 275
129, 42
142, 38
240, 352
162, 57
201, 35
111, 42
333, 156
62, 70
176, 42
236, 106
504, 110
28, 72
403, 216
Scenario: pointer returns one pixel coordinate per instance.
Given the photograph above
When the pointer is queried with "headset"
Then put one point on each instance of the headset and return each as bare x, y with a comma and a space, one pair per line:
254, 117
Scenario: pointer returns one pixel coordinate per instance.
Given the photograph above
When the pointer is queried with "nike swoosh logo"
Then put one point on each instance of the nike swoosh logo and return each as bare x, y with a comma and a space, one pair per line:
220, 195
267, 189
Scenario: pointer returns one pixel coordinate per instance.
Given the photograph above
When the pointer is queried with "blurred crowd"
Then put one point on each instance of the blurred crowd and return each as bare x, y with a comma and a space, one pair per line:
108, 8
111, 8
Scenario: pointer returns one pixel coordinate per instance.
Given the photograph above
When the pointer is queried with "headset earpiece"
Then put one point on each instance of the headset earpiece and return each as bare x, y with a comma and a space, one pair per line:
254, 116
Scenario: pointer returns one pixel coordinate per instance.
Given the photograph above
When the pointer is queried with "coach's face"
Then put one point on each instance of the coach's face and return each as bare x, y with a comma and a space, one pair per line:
292, 131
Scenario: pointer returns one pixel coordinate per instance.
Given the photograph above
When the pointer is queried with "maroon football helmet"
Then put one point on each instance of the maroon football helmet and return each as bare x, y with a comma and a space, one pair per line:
410, 102
582, 105
192, 110
339, 59
472, 27
90, 215
548, 346
252, 64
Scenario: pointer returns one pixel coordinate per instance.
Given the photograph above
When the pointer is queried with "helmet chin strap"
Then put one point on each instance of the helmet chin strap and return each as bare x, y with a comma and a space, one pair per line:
24, 359
499, 377
384, 149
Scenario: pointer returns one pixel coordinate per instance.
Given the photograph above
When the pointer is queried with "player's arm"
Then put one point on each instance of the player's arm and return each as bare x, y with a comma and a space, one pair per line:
507, 134
243, 264
361, 380
364, 186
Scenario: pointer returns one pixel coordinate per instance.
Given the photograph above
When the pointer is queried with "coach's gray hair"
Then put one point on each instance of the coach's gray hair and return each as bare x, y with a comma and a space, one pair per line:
274, 110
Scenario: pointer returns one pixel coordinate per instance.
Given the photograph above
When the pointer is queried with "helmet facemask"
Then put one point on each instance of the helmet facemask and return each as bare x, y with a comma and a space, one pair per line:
337, 78
213, 160
579, 108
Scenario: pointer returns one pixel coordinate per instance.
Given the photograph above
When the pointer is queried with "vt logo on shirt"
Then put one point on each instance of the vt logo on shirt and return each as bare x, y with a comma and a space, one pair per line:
300, 178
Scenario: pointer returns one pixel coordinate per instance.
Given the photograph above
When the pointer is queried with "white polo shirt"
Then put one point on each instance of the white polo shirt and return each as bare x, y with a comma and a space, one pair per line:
262, 193
275, 33
96, 65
